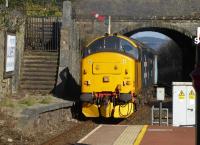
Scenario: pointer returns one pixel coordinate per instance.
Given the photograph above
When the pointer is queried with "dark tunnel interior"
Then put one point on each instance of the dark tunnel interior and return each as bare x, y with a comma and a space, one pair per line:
174, 61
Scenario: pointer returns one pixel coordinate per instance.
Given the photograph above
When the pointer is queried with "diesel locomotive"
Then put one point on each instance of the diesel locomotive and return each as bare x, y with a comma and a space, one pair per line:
114, 69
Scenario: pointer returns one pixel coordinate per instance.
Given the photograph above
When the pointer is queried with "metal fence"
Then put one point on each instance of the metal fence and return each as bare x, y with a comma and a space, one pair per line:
155, 116
42, 34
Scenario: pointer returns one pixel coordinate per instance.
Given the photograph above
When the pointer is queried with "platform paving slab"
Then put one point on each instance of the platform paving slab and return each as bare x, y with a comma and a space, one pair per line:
168, 135
129, 135
140, 135
112, 135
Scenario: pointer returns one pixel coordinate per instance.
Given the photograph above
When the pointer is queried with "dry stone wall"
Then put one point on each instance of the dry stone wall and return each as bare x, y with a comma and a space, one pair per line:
9, 86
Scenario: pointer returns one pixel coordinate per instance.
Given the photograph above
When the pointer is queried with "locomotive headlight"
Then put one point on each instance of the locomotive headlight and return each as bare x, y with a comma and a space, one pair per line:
124, 83
87, 83
115, 67
105, 79
119, 87
97, 67
84, 72
126, 71
128, 82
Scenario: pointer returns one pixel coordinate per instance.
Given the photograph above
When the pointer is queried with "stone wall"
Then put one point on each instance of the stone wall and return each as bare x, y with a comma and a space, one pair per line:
68, 82
9, 86
5, 84
92, 28
137, 8
20, 34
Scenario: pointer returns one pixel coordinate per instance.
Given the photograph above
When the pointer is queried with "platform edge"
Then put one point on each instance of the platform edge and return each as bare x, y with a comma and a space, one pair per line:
141, 135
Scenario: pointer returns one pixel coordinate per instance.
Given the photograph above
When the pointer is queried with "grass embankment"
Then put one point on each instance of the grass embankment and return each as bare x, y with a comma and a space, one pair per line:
25, 102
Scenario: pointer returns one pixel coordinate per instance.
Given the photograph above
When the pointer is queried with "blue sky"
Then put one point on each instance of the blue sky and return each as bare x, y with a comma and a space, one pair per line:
149, 34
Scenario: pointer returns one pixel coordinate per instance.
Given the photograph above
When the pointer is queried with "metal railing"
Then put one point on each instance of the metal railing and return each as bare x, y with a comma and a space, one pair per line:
42, 34
155, 116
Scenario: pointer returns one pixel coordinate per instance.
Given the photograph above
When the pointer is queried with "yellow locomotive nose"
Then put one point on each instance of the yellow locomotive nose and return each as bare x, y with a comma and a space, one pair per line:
107, 76
107, 70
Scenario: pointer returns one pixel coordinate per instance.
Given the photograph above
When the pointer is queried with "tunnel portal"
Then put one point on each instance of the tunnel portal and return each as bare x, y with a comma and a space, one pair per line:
175, 61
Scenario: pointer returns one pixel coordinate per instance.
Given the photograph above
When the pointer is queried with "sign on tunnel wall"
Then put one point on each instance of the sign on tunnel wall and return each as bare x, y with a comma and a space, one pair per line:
197, 39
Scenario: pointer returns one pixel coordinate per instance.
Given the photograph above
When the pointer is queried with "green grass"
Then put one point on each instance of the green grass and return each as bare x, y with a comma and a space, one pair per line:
46, 100
7, 102
25, 102
28, 101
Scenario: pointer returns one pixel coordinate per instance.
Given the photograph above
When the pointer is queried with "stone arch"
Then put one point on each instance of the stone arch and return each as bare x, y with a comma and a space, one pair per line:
153, 26
180, 35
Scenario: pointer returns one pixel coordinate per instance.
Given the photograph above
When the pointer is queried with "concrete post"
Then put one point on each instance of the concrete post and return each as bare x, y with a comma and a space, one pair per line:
160, 113
1, 63
18, 60
68, 74
155, 69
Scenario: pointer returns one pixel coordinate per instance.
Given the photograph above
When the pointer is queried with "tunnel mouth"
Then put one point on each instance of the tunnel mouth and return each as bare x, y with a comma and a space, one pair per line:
185, 53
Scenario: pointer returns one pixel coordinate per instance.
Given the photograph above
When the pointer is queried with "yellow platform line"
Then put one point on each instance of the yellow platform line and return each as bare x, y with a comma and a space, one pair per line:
141, 135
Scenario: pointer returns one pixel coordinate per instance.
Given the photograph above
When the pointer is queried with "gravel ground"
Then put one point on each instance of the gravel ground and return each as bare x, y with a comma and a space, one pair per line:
10, 134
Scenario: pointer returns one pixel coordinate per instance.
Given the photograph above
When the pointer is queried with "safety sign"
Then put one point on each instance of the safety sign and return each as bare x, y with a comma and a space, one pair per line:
191, 95
181, 95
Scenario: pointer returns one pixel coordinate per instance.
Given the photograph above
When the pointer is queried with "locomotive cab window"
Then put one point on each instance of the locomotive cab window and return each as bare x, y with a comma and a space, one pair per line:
111, 43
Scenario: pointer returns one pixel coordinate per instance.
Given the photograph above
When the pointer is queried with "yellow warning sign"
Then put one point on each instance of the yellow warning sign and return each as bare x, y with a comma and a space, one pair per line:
181, 95
192, 95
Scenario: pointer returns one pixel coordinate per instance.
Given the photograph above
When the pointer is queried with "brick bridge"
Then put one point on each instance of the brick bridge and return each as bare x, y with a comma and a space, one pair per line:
174, 18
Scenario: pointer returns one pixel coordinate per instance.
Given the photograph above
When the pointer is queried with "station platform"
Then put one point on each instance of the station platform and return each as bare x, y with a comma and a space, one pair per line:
139, 135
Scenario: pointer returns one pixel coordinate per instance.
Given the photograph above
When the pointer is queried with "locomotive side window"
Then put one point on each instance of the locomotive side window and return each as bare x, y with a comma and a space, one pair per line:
130, 49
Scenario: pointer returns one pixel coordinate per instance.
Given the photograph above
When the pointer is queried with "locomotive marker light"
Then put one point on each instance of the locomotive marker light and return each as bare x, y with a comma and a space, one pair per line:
160, 94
